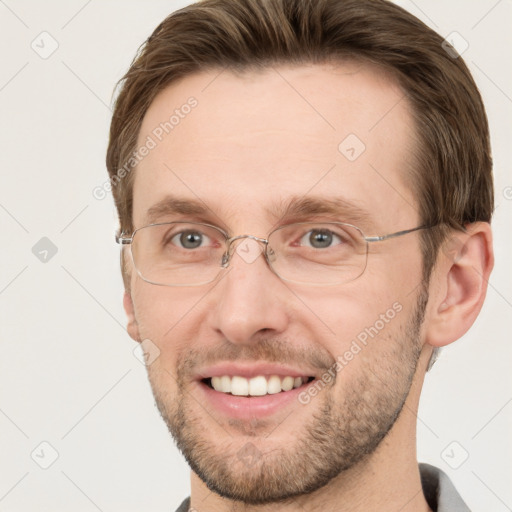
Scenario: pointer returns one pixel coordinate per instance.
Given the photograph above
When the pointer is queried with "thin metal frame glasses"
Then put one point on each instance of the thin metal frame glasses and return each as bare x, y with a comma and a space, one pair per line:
312, 253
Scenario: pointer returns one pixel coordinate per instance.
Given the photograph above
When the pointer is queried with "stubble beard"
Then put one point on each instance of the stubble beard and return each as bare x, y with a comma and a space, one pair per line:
340, 434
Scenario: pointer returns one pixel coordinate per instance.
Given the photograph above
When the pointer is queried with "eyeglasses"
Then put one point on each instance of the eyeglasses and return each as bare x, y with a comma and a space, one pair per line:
193, 254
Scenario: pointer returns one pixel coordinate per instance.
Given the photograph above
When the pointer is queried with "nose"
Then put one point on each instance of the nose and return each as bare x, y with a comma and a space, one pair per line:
250, 300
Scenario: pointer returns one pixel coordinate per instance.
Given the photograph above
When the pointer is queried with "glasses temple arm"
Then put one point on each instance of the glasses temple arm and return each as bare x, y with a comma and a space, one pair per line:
122, 240
394, 235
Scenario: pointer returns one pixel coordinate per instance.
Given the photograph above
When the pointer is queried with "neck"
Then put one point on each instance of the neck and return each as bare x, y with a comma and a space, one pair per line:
389, 479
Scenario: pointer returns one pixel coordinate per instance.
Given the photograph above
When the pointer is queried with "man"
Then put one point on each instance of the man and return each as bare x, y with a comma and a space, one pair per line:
304, 191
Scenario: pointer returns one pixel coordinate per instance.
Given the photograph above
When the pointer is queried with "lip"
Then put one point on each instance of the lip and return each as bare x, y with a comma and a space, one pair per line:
247, 408
251, 369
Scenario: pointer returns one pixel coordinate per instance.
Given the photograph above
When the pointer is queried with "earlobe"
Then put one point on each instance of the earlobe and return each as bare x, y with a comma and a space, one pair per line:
462, 272
132, 326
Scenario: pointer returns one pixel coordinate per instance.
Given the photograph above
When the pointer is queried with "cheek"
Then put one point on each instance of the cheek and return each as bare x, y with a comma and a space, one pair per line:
355, 318
342, 310
170, 317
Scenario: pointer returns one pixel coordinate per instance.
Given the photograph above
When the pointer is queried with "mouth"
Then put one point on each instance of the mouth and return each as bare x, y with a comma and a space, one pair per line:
259, 385
248, 390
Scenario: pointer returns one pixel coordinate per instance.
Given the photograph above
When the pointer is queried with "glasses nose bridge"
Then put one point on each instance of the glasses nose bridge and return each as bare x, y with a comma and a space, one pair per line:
226, 257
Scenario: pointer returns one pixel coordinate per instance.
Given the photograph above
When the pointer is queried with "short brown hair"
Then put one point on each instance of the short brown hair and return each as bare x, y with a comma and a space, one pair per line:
453, 179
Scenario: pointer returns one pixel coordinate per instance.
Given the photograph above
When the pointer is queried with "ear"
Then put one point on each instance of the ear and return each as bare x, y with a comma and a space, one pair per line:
133, 326
459, 283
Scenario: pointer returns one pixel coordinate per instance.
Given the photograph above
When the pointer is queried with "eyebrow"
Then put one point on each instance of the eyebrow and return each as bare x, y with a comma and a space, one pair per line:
336, 208
172, 205
293, 209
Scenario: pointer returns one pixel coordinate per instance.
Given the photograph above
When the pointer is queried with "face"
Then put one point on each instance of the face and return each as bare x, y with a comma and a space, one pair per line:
258, 151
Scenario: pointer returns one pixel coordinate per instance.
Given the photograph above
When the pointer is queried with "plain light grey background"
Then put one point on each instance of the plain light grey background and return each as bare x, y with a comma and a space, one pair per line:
74, 398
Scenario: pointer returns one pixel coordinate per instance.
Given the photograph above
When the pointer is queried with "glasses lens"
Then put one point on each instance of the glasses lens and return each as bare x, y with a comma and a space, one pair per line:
318, 253
178, 254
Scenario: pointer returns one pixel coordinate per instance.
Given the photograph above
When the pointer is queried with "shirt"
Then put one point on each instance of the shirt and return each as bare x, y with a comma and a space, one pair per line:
438, 489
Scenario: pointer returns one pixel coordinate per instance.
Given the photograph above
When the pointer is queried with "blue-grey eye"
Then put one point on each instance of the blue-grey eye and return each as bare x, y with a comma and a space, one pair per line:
189, 239
320, 239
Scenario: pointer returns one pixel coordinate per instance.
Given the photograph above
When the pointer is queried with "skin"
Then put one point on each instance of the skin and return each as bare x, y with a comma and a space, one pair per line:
254, 141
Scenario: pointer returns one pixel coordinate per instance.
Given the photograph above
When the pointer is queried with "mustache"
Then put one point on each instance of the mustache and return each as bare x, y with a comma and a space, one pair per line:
268, 349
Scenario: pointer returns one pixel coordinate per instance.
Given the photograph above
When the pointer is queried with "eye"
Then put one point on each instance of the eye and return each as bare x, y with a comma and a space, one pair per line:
320, 239
190, 239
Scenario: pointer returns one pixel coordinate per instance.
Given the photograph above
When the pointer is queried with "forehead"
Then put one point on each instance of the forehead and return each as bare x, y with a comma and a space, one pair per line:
244, 144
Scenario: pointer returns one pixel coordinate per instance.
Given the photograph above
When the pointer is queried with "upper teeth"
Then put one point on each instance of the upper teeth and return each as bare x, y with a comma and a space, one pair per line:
256, 386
